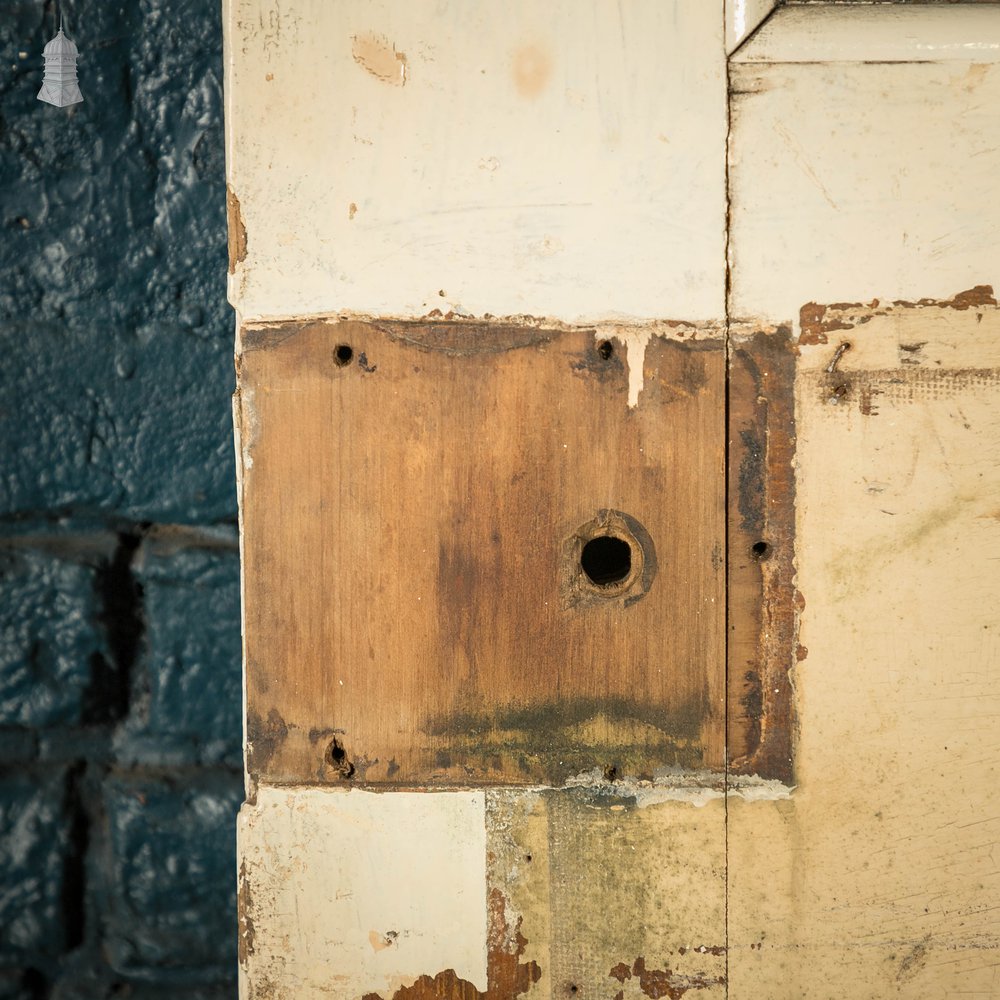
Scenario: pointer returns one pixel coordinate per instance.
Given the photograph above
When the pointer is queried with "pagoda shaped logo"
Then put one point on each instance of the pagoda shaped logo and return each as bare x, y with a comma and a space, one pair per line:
59, 86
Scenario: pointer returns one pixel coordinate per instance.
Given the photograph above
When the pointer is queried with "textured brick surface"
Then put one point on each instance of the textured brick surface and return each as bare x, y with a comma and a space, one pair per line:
135, 424
34, 841
51, 642
119, 630
190, 702
172, 845
114, 326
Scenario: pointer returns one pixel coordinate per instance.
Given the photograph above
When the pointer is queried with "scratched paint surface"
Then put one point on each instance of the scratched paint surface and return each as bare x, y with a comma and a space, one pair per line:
348, 893
881, 869
534, 158
872, 166
863, 216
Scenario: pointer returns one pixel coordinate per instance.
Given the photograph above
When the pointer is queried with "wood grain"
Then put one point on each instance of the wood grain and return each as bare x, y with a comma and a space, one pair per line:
762, 602
413, 518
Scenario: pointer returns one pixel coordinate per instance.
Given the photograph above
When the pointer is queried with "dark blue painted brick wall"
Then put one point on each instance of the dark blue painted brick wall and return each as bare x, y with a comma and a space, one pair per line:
119, 577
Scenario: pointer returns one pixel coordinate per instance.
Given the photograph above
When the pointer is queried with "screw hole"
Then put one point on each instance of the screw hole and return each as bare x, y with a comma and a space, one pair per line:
606, 560
760, 550
605, 349
343, 354
337, 756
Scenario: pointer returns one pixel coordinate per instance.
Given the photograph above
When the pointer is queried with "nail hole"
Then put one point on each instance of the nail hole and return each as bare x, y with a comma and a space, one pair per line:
610, 772
574, 989
606, 560
343, 354
527, 858
760, 550
605, 349
337, 756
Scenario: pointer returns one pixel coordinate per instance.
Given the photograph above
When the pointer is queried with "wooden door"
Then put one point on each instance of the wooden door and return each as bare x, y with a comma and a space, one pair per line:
614, 407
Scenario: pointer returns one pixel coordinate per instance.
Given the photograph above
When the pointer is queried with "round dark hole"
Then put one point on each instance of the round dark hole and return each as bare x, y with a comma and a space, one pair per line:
606, 560
337, 756
343, 354
760, 550
605, 348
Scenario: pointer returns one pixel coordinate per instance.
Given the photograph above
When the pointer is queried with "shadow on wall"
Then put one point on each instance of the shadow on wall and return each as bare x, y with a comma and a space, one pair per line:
120, 772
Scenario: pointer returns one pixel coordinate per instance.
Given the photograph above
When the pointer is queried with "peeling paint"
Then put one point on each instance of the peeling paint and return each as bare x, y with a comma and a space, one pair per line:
817, 321
507, 977
376, 54
696, 788
237, 231
244, 910
657, 983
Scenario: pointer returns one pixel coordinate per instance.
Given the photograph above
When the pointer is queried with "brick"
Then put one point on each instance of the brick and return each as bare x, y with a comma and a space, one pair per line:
34, 842
172, 904
138, 424
50, 638
115, 395
114, 212
192, 700
178, 108
87, 977
15, 986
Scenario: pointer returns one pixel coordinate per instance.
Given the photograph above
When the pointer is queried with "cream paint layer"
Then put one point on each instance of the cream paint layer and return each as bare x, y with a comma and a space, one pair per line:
351, 892
563, 160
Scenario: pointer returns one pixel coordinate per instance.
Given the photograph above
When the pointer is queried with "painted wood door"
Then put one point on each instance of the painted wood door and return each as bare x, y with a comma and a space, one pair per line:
615, 408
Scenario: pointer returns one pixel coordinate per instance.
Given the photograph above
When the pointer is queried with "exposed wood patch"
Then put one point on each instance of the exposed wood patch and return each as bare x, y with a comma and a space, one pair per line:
507, 976
763, 602
237, 231
376, 54
423, 602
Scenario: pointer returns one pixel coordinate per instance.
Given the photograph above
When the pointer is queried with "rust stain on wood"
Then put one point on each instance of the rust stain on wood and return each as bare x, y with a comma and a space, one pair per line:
762, 614
376, 54
237, 231
507, 977
657, 983
405, 577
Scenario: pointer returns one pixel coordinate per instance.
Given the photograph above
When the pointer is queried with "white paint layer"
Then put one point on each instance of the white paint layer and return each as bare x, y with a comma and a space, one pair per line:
853, 182
743, 18
696, 788
354, 892
883, 32
563, 159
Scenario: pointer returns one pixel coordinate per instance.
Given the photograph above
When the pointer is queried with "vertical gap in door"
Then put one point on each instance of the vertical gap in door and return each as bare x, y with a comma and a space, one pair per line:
726, 492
